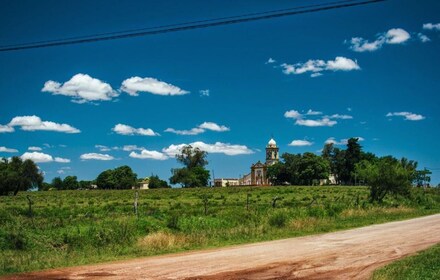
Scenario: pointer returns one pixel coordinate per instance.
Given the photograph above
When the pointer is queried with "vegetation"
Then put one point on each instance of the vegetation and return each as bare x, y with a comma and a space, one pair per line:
194, 173
425, 265
18, 175
119, 178
59, 228
155, 182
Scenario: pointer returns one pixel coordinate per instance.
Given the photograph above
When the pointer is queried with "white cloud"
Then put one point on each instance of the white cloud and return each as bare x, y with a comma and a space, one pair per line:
407, 115
103, 148
146, 154
204, 92
300, 143
217, 148
310, 112
423, 38
192, 131
396, 36
270, 60
6, 128
392, 36
213, 126
316, 123
317, 66
200, 129
96, 156
124, 129
342, 64
292, 114
303, 120
315, 75
60, 171
129, 148
431, 26
134, 85
61, 160
32, 123
82, 88
342, 117
7, 150
33, 148
42, 157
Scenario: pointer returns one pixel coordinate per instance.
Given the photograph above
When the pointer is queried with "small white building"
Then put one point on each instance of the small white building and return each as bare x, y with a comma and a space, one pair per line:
226, 182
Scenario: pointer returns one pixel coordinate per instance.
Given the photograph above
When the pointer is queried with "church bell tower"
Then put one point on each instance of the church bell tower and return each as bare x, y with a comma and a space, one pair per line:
272, 156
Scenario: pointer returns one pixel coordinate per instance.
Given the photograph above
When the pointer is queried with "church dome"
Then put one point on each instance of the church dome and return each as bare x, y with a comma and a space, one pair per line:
272, 142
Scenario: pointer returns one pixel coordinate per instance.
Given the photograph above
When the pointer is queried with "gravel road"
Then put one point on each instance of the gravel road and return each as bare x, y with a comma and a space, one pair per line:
349, 254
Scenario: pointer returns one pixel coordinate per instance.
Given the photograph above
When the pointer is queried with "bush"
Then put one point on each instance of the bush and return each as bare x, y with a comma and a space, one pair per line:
278, 219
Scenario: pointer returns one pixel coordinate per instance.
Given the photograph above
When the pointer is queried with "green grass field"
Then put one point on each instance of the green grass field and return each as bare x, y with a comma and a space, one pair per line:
68, 228
423, 266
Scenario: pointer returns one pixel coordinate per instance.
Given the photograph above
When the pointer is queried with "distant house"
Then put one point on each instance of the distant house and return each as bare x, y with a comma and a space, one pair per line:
226, 182
143, 184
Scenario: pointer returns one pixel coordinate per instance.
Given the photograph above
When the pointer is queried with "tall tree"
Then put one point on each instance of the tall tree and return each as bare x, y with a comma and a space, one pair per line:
18, 175
193, 174
385, 176
122, 177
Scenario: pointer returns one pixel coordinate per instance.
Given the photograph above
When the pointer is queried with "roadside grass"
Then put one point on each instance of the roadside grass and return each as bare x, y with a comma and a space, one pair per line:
66, 228
425, 265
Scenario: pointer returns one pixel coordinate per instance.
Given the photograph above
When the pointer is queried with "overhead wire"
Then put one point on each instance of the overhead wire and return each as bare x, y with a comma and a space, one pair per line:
190, 25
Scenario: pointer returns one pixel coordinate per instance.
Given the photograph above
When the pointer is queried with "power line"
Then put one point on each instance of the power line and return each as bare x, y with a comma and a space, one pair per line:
190, 25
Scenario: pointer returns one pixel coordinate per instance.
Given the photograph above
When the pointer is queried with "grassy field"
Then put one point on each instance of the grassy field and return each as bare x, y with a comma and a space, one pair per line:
425, 265
66, 228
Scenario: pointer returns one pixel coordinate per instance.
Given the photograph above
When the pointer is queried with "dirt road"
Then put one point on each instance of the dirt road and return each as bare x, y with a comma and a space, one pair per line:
349, 254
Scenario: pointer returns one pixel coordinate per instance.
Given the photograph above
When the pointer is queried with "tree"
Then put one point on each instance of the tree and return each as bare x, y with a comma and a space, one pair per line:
18, 175
57, 183
156, 183
119, 178
70, 183
277, 174
385, 176
194, 173
312, 167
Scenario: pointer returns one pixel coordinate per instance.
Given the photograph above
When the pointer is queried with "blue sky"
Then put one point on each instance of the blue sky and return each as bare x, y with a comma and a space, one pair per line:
368, 71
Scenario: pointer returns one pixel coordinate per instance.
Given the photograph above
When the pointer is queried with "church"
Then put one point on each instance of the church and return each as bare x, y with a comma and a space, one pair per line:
258, 175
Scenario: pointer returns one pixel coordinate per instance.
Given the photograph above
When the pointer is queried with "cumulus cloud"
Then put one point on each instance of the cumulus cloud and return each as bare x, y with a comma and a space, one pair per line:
407, 115
192, 131
42, 157
96, 156
82, 89
342, 117
103, 148
316, 66
304, 119
6, 129
310, 112
32, 123
134, 85
129, 148
392, 36
33, 148
316, 123
270, 60
217, 148
300, 143
200, 129
7, 150
124, 129
146, 154
423, 38
431, 26
213, 126
204, 92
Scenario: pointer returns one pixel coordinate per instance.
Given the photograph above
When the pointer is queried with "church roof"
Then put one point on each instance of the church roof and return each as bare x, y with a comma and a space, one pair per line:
272, 143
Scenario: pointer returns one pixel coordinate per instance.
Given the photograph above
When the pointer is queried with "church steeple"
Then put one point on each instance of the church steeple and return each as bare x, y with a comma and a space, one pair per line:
272, 156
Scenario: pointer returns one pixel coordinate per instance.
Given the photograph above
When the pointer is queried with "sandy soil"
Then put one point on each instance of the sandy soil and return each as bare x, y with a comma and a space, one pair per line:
349, 254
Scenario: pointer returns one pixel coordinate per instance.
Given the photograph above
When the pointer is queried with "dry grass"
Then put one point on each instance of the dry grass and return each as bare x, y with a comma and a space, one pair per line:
348, 213
166, 241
